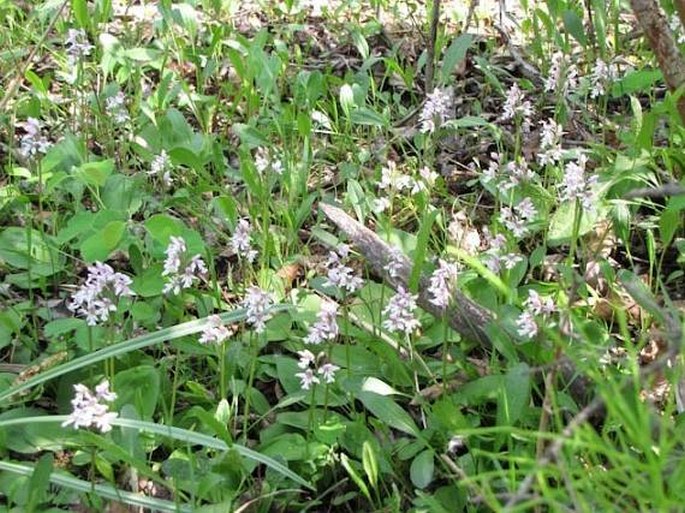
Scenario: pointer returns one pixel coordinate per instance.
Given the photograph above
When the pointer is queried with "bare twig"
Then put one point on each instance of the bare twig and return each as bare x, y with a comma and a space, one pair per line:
21, 71
669, 189
432, 40
680, 7
660, 37
469, 14
465, 316
674, 336
527, 70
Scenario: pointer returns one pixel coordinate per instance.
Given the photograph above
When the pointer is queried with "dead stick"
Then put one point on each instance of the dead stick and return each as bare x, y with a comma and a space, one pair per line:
655, 27
21, 70
432, 40
466, 317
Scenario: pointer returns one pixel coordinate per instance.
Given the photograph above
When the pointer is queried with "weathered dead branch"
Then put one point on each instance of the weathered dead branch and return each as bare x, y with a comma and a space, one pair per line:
465, 317
655, 26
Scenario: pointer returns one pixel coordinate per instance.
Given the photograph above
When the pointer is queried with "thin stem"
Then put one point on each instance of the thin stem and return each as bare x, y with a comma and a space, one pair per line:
432, 39
222, 370
248, 389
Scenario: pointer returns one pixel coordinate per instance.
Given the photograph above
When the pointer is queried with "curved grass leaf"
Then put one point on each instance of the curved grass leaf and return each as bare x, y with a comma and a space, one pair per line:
147, 340
182, 435
389, 412
102, 490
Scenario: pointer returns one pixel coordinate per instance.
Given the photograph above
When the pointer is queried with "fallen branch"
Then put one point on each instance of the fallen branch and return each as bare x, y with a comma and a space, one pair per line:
432, 40
668, 189
674, 336
655, 27
464, 316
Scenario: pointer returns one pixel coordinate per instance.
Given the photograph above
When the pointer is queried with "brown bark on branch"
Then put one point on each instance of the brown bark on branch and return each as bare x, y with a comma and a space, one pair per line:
432, 40
655, 26
466, 317
680, 7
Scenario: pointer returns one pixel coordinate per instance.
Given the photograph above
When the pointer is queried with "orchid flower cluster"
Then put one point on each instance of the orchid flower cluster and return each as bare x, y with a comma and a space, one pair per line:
602, 75
308, 363
77, 46
437, 110
562, 76
33, 141
241, 242
215, 332
264, 160
116, 108
677, 28
516, 107
161, 167
534, 306
400, 312
325, 329
496, 256
340, 275
395, 262
96, 298
257, 303
394, 181
442, 282
180, 272
508, 176
517, 219
576, 185
550, 142
92, 410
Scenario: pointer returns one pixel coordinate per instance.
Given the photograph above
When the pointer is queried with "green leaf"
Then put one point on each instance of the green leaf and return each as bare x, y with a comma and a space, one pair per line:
40, 480
123, 193
61, 327
150, 283
194, 438
454, 55
346, 98
143, 55
419, 256
186, 157
127, 346
97, 247
161, 227
370, 463
574, 26
389, 412
561, 224
365, 116
422, 469
102, 490
669, 223
95, 173
636, 81
23, 249
377, 386
515, 395
80, 10
289, 446
10, 323
250, 136
467, 122
345, 461
138, 386
36, 82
